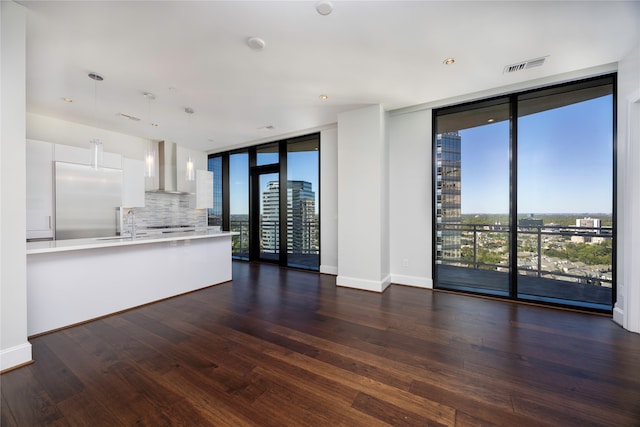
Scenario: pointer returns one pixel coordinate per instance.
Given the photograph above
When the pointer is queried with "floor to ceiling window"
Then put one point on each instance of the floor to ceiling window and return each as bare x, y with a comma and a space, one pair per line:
303, 192
524, 195
472, 198
270, 196
238, 207
215, 214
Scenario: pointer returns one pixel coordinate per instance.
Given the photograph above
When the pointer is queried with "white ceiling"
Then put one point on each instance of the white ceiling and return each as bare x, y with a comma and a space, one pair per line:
194, 54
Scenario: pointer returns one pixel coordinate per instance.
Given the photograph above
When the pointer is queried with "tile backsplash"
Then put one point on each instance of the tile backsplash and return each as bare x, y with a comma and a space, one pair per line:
166, 209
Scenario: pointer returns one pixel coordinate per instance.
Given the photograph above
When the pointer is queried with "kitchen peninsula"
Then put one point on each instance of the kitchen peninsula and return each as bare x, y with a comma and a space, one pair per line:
73, 281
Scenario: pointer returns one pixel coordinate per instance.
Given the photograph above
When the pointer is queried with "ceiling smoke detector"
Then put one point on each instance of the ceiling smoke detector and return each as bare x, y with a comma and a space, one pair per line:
324, 7
524, 65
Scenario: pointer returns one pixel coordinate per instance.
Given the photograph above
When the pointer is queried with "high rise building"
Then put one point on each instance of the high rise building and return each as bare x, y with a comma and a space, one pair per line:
301, 217
270, 218
593, 226
448, 196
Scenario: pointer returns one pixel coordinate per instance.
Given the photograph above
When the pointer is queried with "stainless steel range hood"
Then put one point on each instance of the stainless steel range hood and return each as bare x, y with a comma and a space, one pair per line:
167, 170
167, 176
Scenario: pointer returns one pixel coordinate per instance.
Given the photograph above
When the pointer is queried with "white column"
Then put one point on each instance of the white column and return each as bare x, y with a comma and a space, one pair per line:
627, 307
410, 221
15, 349
329, 201
363, 200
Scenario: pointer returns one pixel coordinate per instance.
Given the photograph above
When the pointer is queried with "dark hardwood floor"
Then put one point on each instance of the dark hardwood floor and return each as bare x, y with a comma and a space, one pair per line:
279, 347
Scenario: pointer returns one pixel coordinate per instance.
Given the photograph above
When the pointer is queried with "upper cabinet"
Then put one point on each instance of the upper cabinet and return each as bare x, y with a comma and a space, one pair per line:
79, 155
39, 187
133, 183
203, 194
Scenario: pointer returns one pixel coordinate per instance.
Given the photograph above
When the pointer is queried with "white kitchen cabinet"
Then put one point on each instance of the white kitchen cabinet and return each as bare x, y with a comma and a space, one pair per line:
133, 183
39, 189
80, 155
203, 195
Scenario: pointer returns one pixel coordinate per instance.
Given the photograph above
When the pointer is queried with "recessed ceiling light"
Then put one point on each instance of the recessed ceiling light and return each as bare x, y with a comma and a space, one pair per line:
491, 120
256, 43
67, 99
267, 127
96, 77
448, 61
324, 7
324, 97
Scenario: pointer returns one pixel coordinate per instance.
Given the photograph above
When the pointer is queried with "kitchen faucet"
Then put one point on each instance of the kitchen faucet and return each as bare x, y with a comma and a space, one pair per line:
131, 221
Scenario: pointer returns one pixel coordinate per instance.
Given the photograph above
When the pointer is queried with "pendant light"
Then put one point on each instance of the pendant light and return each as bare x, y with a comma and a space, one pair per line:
190, 169
151, 155
191, 172
95, 145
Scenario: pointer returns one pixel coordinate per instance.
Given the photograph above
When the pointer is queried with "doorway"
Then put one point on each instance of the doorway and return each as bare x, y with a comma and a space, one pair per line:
265, 218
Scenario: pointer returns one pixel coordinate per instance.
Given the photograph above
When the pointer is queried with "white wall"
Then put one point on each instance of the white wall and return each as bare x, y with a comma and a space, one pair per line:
410, 198
627, 307
43, 128
363, 251
329, 201
14, 347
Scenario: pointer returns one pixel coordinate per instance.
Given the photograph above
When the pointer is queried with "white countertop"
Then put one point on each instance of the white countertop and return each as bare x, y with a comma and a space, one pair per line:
105, 242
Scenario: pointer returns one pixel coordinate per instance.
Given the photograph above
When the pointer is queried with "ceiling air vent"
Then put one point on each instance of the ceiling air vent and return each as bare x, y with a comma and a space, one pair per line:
127, 116
524, 65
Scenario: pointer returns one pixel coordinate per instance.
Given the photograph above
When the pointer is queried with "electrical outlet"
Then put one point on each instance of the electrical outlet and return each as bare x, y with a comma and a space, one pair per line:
405, 262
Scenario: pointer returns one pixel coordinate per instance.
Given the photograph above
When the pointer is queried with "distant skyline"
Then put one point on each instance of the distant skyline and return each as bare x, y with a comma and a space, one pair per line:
565, 162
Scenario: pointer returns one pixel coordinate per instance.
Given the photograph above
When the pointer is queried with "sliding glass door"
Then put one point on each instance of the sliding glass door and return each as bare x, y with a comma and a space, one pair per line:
524, 195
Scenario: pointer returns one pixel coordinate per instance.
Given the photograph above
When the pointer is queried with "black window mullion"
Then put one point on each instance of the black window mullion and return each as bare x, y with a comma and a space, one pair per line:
226, 198
513, 194
283, 237
254, 208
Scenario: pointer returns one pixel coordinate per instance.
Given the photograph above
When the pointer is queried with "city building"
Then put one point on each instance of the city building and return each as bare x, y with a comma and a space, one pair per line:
593, 227
270, 218
301, 217
530, 222
448, 194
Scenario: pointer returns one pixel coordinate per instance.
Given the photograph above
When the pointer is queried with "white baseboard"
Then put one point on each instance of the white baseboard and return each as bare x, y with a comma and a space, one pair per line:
15, 356
416, 281
364, 284
618, 316
329, 269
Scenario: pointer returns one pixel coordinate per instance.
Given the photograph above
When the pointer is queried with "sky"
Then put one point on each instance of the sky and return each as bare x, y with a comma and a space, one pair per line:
565, 162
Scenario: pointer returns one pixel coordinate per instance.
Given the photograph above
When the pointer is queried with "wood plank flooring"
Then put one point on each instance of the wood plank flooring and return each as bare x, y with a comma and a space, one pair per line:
278, 347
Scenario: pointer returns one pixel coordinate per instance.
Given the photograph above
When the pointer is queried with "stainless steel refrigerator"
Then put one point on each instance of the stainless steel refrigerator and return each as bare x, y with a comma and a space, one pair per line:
86, 201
